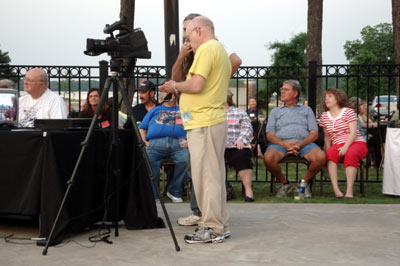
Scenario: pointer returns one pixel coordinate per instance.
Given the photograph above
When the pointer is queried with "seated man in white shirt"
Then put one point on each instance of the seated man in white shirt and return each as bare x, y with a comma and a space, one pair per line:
40, 102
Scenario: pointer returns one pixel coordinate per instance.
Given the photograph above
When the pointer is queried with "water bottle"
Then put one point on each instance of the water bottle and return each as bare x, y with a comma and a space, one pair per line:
302, 189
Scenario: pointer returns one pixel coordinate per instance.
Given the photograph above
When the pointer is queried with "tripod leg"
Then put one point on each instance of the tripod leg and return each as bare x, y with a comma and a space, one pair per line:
115, 147
141, 145
84, 145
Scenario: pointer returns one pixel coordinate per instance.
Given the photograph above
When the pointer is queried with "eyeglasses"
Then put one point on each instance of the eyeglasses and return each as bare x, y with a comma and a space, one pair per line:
31, 81
284, 89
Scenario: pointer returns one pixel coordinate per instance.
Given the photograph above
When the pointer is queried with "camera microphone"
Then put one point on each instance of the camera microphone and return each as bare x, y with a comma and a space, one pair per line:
168, 97
118, 25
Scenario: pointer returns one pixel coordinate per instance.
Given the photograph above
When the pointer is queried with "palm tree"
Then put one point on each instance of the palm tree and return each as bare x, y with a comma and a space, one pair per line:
314, 40
396, 42
396, 29
128, 11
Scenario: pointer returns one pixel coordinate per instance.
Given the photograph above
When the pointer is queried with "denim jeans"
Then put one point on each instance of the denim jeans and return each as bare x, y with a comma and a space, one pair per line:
169, 147
193, 202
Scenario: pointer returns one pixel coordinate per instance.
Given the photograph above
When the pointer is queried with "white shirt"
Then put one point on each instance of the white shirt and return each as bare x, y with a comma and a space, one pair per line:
49, 106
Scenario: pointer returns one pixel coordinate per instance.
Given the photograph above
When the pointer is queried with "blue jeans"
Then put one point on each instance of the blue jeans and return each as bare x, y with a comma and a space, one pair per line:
169, 147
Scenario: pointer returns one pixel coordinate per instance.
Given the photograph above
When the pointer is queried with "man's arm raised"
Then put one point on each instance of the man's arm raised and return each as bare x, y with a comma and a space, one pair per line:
235, 62
177, 69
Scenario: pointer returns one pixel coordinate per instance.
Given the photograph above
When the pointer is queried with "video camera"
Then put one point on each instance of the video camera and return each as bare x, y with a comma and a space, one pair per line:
127, 44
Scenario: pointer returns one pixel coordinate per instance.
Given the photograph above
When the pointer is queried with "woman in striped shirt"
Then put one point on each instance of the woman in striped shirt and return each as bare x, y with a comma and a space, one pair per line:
342, 139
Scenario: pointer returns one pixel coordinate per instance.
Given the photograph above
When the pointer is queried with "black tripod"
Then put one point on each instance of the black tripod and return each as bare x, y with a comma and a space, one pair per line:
118, 85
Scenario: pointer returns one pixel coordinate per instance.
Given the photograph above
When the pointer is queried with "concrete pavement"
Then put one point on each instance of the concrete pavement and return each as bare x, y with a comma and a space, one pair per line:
273, 234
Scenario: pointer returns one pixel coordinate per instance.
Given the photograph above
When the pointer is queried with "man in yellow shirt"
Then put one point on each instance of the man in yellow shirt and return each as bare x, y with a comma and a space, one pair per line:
203, 95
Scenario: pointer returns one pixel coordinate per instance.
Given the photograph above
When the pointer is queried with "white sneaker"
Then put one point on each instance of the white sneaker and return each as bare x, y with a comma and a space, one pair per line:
227, 234
284, 190
189, 220
174, 199
204, 235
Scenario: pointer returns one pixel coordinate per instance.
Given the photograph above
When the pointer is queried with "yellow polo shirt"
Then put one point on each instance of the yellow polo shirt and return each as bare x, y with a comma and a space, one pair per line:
207, 107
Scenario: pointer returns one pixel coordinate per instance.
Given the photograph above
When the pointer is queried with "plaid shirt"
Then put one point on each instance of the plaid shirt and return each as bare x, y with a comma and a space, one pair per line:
239, 127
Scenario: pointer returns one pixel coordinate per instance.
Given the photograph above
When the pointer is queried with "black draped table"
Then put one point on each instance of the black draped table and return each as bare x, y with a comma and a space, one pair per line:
36, 165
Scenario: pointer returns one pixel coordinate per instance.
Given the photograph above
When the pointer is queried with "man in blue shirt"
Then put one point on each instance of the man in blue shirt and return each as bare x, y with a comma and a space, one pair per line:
292, 129
161, 130
147, 92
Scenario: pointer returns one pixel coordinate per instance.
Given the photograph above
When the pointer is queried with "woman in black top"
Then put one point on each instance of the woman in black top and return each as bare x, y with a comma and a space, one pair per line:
90, 106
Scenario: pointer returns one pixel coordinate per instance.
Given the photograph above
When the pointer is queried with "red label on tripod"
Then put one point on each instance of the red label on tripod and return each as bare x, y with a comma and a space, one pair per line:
105, 124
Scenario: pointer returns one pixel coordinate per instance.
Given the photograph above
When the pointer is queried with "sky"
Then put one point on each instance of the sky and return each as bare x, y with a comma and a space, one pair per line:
54, 32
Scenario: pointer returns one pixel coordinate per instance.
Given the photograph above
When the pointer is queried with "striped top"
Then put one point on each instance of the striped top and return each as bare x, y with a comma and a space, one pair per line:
338, 127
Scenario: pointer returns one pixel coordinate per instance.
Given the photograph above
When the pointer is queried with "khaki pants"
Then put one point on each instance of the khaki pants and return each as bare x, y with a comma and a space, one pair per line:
206, 147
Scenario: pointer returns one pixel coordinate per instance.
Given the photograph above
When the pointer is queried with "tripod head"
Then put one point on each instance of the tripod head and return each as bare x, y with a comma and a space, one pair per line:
118, 68
115, 65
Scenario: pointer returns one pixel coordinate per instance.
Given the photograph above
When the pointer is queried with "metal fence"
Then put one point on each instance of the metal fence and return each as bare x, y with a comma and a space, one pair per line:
362, 81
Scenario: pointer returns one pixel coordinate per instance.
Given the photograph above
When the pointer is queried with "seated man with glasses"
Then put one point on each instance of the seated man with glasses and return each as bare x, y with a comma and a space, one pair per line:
292, 129
40, 102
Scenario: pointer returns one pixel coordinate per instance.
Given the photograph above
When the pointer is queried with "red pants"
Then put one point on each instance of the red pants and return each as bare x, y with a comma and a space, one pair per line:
354, 154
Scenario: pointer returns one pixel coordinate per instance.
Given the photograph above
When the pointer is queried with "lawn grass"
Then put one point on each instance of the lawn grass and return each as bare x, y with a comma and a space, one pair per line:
373, 192
262, 194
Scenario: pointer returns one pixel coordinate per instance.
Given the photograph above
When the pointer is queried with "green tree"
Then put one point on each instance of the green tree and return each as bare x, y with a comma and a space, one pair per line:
375, 47
5, 59
288, 59
292, 53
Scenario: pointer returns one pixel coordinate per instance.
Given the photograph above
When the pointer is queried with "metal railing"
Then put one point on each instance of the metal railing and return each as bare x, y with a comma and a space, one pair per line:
362, 81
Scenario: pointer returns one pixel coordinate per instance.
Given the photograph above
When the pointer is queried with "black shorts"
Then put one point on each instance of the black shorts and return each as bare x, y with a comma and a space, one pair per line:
239, 159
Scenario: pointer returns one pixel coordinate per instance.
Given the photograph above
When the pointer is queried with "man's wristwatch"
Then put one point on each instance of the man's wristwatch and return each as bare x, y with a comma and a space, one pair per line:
175, 90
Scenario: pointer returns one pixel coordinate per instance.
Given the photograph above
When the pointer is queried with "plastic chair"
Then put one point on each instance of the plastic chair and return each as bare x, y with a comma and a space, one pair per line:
361, 167
169, 162
294, 159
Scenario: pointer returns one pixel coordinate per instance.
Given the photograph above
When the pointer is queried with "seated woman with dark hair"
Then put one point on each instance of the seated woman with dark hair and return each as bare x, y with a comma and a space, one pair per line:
90, 106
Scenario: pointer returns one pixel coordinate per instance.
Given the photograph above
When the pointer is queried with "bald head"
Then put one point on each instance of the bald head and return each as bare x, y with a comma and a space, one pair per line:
199, 31
204, 22
35, 82
6, 83
37, 73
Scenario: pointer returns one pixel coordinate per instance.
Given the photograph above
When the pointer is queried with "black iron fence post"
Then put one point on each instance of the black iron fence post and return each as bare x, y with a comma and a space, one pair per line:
171, 22
364, 81
312, 85
103, 73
